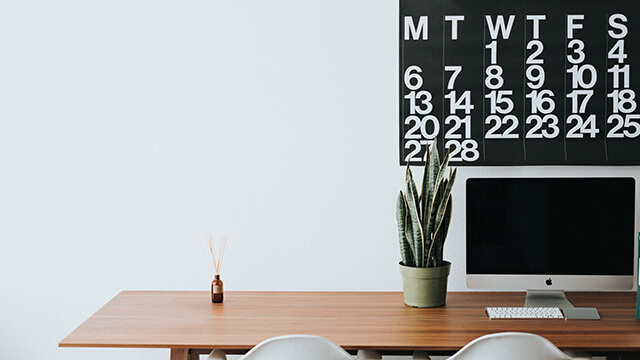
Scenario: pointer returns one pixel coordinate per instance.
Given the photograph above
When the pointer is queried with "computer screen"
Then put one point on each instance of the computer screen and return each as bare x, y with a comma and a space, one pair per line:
550, 233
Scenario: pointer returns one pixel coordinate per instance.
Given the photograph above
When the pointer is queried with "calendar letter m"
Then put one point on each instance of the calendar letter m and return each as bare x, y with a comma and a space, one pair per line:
413, 31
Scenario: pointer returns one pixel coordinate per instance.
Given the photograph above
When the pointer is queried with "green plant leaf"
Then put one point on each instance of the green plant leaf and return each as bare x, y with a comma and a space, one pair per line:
424, 191
442, 207
443, 168
414, 213
402, 219
436, 255
432, 167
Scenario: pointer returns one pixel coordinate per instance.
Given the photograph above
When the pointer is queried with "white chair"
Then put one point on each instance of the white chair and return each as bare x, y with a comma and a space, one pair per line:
513, 345
298, 347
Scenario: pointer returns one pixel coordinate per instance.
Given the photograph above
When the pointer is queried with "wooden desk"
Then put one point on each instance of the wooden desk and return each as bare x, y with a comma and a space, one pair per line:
188, 323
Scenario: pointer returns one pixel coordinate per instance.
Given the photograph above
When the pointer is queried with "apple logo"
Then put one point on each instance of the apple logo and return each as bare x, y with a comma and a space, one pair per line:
549, 282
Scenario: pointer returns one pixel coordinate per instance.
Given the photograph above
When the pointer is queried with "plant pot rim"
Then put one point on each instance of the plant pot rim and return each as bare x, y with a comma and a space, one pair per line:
426, 273
445, 262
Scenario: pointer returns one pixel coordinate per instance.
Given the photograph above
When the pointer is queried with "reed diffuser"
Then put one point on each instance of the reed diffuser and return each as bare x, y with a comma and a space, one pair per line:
217, 291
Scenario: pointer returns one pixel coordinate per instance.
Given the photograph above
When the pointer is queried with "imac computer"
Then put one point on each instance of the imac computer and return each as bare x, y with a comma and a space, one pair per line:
544, 234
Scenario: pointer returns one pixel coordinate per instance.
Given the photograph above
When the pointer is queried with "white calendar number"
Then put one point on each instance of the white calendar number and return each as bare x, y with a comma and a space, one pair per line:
452, 80
578, 55
415, 146
543, 127
579, 74
536, 76
424, 97
510, 122
494, 78
412, 78
500, 101
539, 48
576, 96
628, 127
541, 101
617, 52
457, 124
582, 127
427, 127
462, 102
619, 73
624, 101
465, 150
493, 46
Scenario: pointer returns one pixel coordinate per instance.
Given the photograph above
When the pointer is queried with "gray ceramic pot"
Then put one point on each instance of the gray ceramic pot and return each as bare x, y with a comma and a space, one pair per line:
425, 287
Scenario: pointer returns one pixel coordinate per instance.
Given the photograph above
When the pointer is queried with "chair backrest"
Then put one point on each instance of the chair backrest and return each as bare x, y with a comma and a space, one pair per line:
297, 347
509, 346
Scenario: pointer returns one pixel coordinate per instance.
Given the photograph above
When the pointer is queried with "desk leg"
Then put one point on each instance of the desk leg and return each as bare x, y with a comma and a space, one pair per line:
179, 354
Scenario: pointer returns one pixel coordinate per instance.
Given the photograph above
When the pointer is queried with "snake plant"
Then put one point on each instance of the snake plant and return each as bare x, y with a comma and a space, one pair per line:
423, 220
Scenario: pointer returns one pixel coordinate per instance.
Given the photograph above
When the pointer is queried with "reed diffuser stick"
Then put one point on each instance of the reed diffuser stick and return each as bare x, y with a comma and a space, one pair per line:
217, 263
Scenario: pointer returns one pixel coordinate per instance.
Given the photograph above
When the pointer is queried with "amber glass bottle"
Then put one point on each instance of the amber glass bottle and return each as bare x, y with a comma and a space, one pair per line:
217, 293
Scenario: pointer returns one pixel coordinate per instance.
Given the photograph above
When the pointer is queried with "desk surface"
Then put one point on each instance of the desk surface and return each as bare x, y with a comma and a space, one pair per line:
354, 320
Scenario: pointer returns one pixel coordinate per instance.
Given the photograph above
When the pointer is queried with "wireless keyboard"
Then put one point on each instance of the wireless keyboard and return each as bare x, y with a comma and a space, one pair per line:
524, 313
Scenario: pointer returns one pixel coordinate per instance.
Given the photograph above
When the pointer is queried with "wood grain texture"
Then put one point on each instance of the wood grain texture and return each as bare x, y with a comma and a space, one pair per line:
354, 320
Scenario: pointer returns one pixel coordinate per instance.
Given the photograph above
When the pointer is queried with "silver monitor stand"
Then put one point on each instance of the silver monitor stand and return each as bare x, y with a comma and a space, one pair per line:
547, 298
556, 298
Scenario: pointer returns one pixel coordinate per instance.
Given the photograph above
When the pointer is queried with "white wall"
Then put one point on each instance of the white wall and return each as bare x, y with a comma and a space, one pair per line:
130, 131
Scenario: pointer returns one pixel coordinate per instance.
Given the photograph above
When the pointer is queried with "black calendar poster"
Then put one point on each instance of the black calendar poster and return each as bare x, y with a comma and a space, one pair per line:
514, 82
